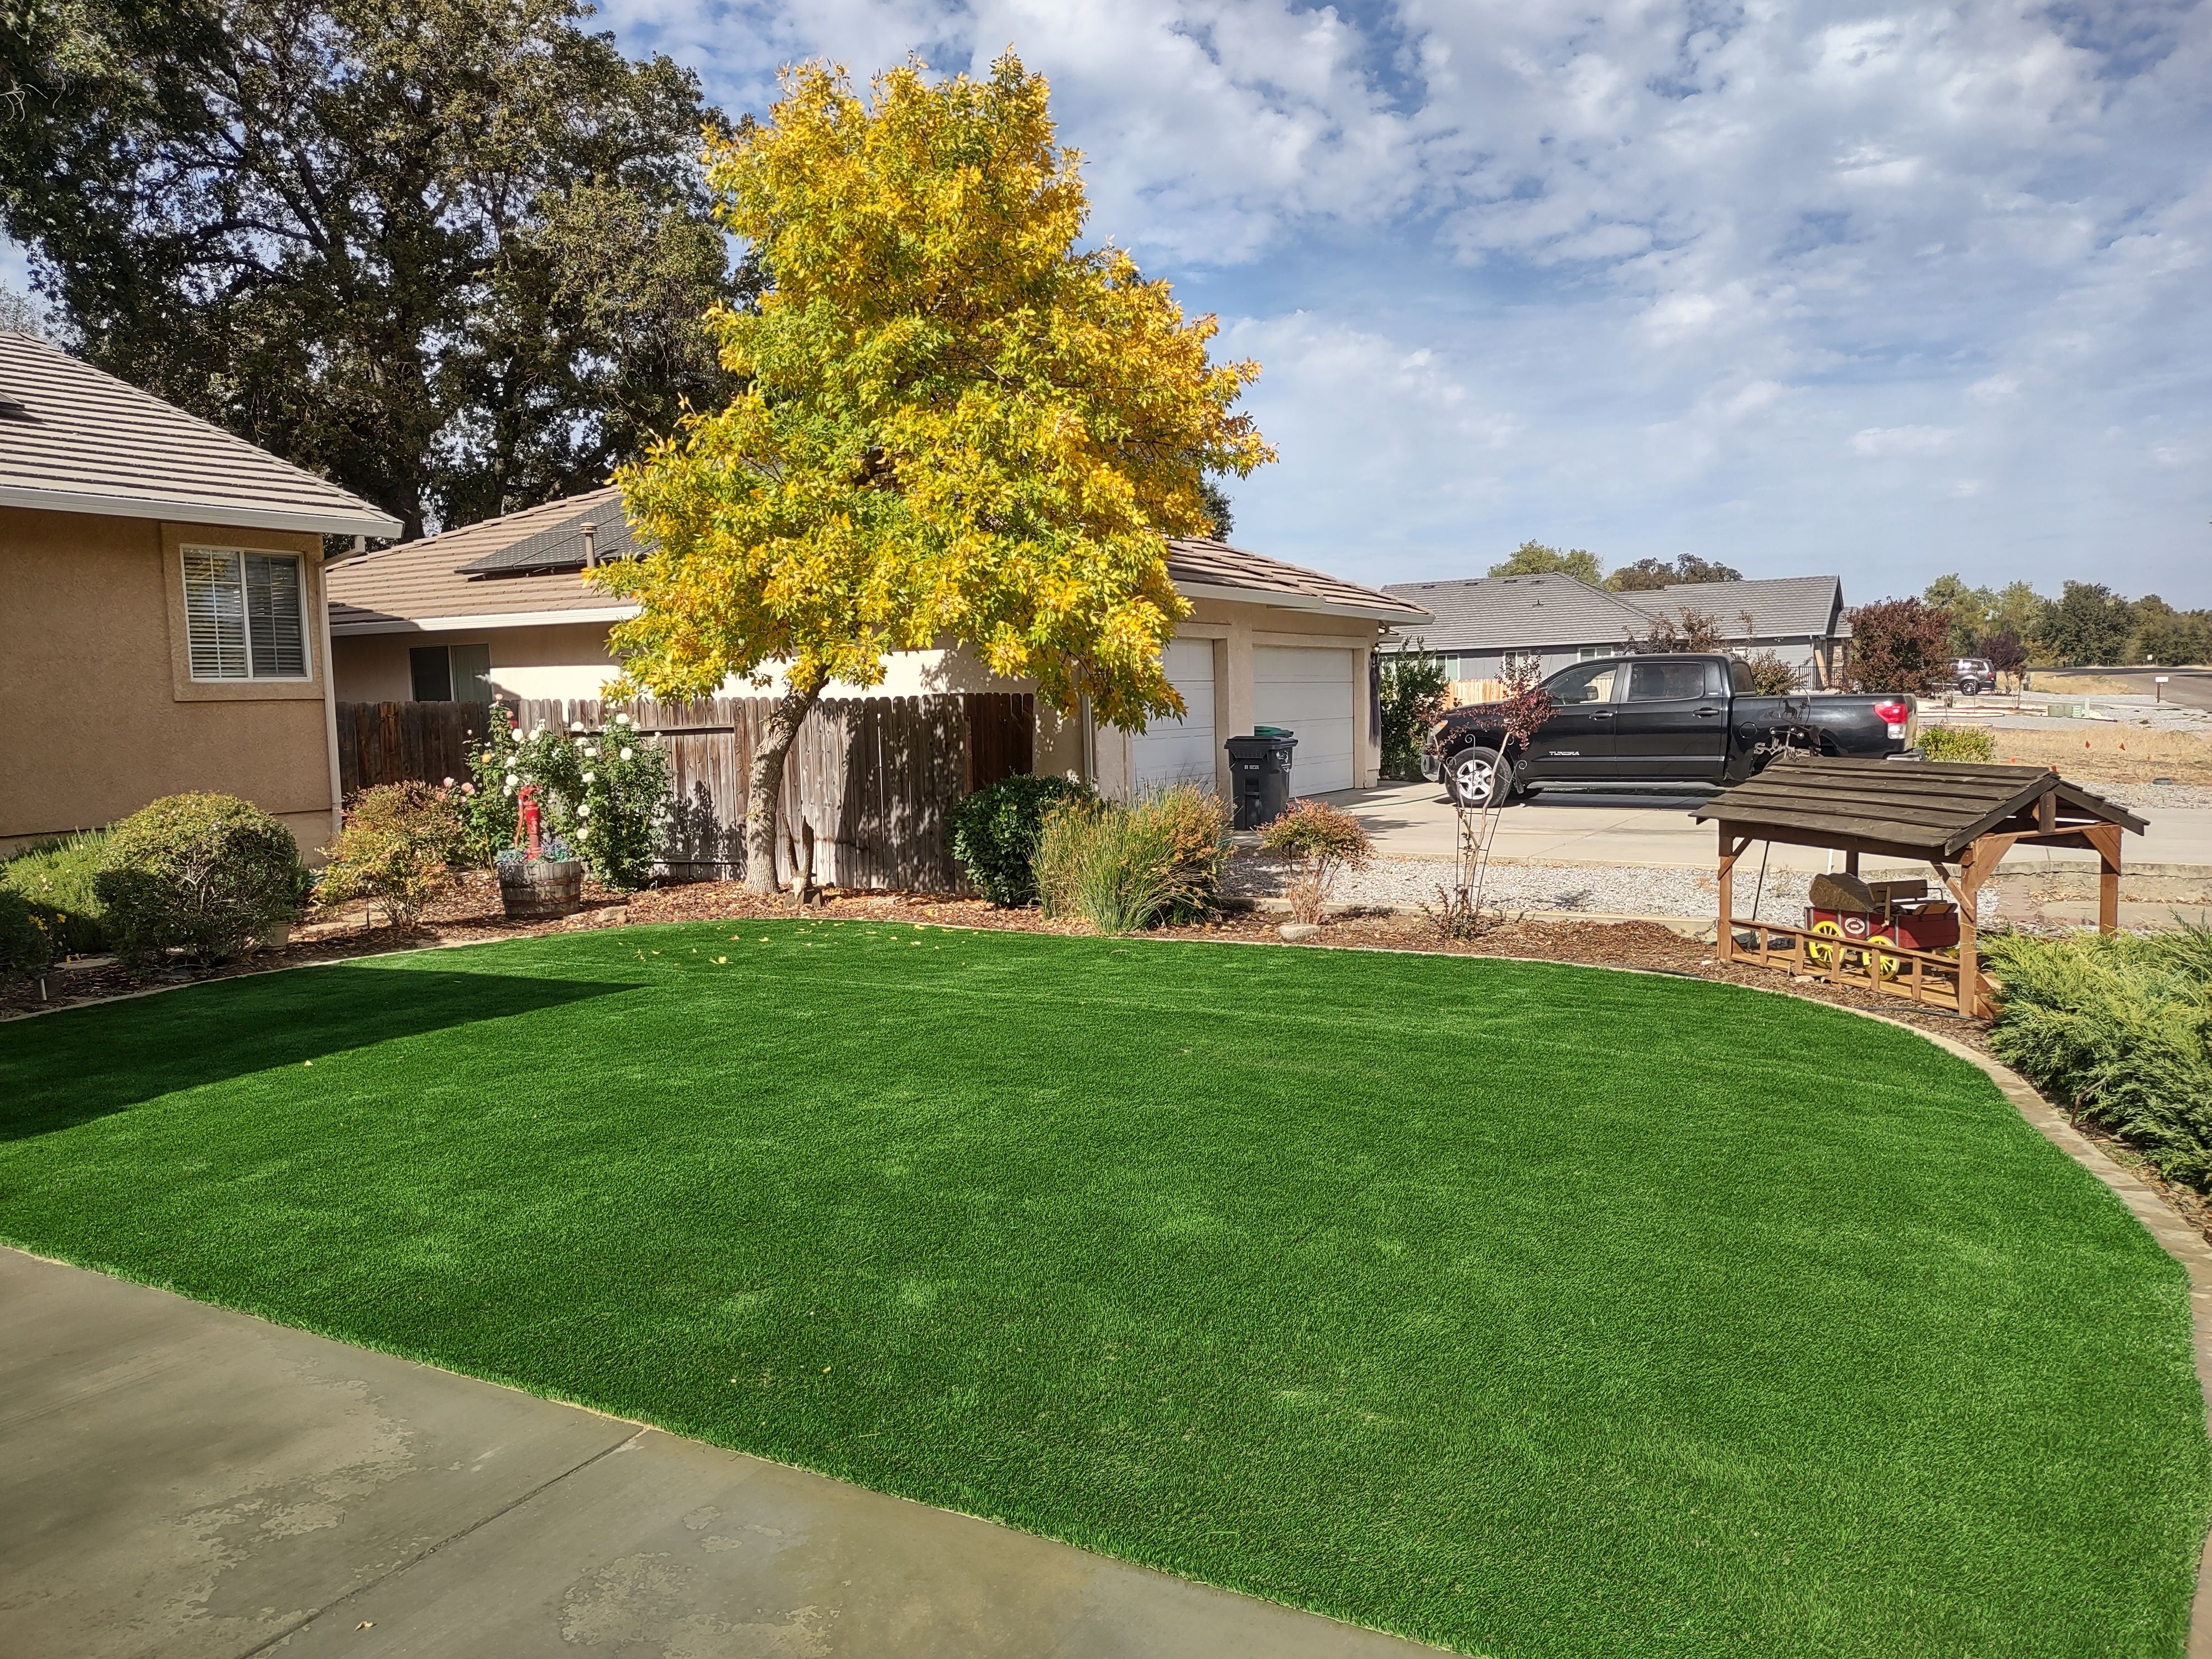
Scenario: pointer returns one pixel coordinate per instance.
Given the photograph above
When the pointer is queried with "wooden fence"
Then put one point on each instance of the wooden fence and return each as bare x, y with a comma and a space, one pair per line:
873, 779
392, 742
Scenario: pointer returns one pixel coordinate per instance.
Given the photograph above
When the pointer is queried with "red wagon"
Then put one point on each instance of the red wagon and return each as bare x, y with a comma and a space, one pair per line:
1852, 912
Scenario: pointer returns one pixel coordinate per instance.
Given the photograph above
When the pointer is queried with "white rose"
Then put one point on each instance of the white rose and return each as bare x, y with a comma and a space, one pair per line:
621, 719
512, 780
575, 725
539, 733
591, 753
626, 753
583, 811
591, 777
510, 786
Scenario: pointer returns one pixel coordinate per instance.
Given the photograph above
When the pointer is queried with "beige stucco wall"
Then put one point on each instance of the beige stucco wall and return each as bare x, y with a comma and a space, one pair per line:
570, 660
103, 714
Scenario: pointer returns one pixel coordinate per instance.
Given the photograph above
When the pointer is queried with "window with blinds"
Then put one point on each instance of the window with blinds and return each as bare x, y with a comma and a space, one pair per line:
244, 615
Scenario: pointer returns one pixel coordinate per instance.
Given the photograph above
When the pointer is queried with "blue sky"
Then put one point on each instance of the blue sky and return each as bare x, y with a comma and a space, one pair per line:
1880, 290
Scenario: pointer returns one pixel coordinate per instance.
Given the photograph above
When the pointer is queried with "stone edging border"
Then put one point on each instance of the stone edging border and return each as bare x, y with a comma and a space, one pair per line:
2175, 1235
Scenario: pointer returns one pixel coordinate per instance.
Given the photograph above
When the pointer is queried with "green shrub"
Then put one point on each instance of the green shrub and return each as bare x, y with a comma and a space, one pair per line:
57, 877
208, 874
1125, 868
1957, 743
398, 850
25, 943
2119, 1027
1412, 694
605, 792
995, 832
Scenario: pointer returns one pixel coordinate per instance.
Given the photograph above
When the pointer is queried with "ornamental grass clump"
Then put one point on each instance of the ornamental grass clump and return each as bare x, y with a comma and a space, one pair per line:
1325, 842
2119, 1027
996, 830
204, 874
399, 850
1123, 869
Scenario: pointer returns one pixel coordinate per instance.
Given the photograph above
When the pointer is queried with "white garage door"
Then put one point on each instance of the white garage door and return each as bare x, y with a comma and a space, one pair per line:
1181, 752
1309, 690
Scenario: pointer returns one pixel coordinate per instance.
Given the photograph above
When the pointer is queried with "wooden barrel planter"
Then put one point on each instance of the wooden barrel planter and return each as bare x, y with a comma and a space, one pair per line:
538, 889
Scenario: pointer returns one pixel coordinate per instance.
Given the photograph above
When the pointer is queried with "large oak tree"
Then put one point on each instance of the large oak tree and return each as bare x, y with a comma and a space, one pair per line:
452, 253
955, 424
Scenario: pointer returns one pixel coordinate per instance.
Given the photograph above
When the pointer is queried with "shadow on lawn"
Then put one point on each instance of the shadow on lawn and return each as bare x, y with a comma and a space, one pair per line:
68, 1068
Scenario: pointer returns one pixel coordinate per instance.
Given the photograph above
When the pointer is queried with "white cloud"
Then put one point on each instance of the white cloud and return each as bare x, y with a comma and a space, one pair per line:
1618, 271
1903, 440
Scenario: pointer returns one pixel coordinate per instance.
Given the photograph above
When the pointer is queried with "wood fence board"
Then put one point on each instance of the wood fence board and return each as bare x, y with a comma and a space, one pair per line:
876, 777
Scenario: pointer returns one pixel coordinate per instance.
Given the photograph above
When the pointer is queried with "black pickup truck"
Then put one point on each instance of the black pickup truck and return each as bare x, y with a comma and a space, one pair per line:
1639, 721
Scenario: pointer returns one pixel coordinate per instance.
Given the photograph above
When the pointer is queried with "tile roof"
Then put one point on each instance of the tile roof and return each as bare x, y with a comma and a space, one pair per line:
1780, 607
514, 570
1515, 612
1505, 612
433, 580
73, 439
1211, 569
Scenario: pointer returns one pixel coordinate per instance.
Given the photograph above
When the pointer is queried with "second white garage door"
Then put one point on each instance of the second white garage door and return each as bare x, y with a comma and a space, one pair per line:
1309, 690
1181, 752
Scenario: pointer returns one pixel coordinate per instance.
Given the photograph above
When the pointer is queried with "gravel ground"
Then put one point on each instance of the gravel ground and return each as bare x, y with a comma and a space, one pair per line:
1590, 890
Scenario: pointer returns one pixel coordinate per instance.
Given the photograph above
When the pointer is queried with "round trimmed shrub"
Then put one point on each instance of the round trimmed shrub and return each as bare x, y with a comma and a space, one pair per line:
208, 874
995, 833
1958, 743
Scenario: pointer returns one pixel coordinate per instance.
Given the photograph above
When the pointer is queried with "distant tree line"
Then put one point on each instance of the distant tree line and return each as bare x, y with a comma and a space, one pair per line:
2087, 624
1534, 558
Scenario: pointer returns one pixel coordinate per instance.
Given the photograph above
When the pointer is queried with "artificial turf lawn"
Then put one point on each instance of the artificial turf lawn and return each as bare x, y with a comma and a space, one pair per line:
1531, 1309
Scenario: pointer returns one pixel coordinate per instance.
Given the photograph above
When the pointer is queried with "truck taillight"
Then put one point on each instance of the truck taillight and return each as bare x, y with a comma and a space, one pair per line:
1895, 712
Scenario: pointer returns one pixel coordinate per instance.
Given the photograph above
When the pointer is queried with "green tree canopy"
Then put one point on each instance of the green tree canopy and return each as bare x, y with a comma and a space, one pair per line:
1644, 575
1971, 610
1535, 559
2087, 623
954, 424
450, 253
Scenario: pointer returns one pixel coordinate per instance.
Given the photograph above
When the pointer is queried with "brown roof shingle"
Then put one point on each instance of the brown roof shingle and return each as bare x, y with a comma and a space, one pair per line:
73, 439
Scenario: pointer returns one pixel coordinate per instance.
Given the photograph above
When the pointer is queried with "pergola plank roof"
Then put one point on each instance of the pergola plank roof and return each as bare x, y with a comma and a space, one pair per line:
1923, 809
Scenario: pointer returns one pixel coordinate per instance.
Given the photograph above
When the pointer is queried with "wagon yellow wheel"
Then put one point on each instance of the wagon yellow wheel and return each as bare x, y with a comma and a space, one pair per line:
1887, 965
1819, 954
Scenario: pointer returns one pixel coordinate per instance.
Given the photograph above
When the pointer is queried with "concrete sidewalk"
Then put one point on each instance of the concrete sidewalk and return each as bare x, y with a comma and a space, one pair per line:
180, 1481
1656, 830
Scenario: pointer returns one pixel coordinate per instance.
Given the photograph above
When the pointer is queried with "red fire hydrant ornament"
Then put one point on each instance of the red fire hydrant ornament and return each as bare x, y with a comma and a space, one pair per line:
525, 828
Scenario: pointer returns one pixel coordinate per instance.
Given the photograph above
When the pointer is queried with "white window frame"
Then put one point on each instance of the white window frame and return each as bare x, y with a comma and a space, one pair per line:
186, 553
1533, 661
1592, 653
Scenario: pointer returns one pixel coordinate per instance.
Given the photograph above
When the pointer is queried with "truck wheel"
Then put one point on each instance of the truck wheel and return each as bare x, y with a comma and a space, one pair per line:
1479, 777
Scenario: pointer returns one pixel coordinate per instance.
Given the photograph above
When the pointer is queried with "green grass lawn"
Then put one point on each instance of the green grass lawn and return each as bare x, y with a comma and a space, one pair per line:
1529, 1310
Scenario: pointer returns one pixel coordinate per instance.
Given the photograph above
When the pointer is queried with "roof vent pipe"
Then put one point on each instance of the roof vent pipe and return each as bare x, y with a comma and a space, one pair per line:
591, 544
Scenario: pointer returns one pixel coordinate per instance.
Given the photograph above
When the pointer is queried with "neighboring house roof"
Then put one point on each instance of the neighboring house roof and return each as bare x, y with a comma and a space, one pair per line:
1214, 570
439, 584
1780, 607
1491, 613
1512, 612
523, 568
73, 439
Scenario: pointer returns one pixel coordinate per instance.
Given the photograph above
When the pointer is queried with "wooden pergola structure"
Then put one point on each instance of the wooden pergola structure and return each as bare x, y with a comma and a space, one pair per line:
1961, 819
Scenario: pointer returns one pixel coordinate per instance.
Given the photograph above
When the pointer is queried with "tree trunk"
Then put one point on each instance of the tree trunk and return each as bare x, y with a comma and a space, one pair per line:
764, 784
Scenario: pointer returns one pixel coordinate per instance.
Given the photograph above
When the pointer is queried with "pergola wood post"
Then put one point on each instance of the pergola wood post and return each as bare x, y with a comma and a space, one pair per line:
2105, 838
1970, 961
1731, 850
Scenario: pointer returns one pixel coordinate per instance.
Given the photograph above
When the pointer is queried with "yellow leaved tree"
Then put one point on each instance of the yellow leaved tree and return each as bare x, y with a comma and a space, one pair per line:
956, 426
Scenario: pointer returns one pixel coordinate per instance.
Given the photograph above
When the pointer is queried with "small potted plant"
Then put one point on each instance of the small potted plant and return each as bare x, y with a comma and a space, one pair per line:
538, 878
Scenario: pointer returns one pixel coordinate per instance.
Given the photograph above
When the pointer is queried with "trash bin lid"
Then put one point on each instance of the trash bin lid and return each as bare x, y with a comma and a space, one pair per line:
1273, 732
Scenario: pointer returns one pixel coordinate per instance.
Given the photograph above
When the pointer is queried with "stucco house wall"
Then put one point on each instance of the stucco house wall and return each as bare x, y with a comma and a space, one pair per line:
105, 713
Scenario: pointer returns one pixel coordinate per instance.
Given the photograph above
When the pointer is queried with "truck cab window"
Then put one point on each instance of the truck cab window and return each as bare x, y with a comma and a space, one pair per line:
1588, 682
1667, 681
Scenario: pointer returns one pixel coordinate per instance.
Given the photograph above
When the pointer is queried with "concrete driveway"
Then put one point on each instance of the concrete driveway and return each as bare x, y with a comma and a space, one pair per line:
1654, 830
181, 1481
